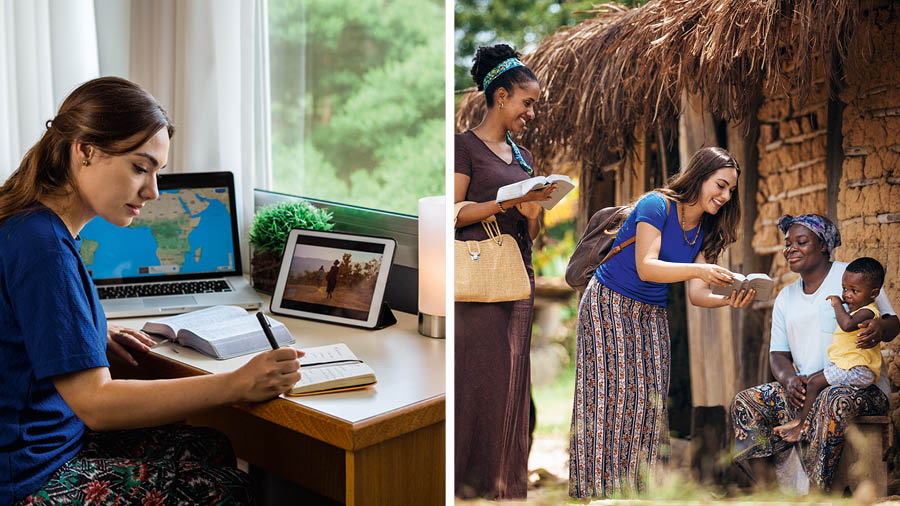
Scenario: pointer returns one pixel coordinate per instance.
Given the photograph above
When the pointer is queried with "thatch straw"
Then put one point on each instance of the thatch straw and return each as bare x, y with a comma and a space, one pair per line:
626, 69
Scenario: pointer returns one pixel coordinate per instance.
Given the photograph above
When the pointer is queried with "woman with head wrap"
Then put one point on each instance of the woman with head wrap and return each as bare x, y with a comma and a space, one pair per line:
802, 324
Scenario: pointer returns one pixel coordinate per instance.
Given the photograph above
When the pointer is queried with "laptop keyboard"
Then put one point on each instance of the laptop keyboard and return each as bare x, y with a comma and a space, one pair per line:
173, 288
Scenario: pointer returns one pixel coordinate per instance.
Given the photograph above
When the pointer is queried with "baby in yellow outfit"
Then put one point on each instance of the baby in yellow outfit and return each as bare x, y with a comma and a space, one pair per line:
850, 366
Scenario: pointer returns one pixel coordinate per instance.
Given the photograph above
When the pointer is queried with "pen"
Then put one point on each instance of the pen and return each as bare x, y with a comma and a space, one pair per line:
266, 329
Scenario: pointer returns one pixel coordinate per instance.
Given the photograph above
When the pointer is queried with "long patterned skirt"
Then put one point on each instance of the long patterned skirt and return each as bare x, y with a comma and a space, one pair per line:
756, 411
171, 465
619, 419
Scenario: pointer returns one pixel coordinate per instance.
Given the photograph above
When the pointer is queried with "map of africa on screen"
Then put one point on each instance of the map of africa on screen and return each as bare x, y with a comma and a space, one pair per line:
185, 231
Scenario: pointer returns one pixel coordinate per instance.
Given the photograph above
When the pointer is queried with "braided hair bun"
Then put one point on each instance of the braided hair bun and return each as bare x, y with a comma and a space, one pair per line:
488, 57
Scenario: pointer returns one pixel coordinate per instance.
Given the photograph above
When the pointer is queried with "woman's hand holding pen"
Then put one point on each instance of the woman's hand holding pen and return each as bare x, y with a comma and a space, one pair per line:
120, 339
268, 374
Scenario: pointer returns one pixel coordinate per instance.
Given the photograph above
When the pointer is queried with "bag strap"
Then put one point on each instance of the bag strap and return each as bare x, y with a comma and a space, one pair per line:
613, 252
492, 228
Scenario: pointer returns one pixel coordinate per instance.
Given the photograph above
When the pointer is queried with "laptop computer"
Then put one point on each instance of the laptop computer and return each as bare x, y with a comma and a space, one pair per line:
182, 253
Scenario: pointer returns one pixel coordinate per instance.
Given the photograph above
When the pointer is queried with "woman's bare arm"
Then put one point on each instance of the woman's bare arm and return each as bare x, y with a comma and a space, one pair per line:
700, 294
650, 268
103, 403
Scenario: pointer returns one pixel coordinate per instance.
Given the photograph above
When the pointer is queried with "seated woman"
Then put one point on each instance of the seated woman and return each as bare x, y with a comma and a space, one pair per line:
802, 325
69, 433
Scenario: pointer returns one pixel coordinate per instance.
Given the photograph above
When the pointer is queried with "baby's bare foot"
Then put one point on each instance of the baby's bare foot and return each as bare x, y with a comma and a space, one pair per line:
781, 429
793, 435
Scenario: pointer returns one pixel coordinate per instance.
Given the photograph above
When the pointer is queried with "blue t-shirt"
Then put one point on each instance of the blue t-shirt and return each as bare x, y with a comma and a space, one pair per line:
51, 323
620, 273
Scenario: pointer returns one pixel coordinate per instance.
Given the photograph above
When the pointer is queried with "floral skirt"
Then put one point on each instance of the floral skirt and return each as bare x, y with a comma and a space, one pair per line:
168, 465
619, 419
756, 411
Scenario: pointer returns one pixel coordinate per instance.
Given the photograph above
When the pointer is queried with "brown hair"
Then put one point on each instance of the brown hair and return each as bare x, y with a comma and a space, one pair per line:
719, 229
103, 113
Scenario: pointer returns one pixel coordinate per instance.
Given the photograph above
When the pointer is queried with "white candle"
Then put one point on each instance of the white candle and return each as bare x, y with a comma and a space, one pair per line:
432, 255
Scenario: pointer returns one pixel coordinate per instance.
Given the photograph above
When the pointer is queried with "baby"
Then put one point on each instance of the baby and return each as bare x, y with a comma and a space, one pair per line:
849, 365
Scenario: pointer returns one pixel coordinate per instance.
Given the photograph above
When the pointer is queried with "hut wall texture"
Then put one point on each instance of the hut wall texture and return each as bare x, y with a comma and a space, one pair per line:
792, 175
869, 200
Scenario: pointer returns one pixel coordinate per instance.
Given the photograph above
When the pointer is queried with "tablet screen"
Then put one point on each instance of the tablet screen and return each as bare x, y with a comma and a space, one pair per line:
331, 276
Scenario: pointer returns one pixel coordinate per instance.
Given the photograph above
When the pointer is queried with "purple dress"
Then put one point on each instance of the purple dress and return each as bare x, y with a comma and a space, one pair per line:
492, 345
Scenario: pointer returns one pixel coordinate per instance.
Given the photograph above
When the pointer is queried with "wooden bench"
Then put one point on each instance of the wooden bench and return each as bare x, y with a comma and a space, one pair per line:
868, 439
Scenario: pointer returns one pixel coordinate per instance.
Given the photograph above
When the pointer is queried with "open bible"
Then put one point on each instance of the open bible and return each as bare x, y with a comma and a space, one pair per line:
518, 189
763, 284
219, 331
331, 368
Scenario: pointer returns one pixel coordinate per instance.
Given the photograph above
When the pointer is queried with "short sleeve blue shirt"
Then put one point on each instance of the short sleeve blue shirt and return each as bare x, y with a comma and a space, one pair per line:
619, 273
51, 323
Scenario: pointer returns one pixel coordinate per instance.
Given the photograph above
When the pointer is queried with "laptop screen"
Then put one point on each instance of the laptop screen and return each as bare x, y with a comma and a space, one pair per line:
187, 233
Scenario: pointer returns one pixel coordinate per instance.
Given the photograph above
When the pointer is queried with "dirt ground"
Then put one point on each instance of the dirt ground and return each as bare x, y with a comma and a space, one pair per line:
356, 299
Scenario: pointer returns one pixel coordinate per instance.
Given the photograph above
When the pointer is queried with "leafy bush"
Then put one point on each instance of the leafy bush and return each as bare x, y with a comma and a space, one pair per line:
272, 224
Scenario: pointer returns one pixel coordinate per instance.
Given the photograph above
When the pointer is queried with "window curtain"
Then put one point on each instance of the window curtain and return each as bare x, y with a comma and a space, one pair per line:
207, 61
47, 48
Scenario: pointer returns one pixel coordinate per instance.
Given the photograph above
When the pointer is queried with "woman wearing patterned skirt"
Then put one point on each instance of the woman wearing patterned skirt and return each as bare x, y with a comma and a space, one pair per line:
619, 420
802, 325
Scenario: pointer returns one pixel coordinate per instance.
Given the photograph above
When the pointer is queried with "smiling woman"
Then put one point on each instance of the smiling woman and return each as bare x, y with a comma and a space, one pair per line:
99, 157
622, 363
492, 339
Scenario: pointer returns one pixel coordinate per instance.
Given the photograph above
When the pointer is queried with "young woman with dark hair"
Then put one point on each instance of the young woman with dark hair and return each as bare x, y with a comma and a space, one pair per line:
619, 419
492, 340
69, 433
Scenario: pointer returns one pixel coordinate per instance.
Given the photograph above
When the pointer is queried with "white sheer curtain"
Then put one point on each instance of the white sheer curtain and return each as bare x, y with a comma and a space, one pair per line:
207, 61
204, 60
47, 48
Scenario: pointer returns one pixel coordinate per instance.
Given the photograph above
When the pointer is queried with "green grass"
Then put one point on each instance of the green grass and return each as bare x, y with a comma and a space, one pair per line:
554, 405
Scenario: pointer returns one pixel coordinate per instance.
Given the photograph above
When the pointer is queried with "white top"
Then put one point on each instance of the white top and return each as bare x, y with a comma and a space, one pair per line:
803, 324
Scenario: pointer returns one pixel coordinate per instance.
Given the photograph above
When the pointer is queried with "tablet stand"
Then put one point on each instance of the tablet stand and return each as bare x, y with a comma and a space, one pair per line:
386, 317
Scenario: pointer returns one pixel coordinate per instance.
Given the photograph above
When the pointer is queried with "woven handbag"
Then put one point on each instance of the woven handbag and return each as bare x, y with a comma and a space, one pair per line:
491, 270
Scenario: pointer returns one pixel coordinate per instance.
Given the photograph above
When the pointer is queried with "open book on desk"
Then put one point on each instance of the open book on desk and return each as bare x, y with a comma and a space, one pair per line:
331, 368
219, 331
518, 189
762, 283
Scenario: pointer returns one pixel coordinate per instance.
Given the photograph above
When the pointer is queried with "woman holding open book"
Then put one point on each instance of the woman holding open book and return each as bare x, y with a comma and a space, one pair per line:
493, 339
69, 433
619, 419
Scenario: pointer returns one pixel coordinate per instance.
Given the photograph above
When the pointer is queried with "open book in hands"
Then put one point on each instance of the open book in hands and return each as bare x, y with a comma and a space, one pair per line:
219, 331
515, 190
331, 368
763, 284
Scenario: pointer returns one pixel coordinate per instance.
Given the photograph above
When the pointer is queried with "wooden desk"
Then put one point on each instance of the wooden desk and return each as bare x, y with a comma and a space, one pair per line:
381, 445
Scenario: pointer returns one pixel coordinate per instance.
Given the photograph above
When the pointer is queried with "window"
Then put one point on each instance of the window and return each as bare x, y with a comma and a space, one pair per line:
357, 97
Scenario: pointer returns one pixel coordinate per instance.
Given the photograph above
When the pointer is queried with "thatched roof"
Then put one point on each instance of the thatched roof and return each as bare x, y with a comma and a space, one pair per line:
609, 75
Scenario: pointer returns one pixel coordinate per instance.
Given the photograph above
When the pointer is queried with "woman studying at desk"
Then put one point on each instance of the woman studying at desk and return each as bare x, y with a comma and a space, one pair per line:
69, 433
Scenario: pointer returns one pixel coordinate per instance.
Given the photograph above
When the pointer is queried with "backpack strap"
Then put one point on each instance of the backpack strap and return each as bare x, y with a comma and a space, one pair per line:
613, 252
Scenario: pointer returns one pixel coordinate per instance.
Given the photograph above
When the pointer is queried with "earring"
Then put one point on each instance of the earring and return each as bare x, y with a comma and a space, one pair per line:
85, 163
501, 105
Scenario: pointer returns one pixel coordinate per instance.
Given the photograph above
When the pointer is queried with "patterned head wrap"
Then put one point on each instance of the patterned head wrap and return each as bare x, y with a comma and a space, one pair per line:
820, 225
505, 65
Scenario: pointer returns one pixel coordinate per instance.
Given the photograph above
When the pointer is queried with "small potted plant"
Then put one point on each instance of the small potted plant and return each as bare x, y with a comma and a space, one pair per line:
269, 233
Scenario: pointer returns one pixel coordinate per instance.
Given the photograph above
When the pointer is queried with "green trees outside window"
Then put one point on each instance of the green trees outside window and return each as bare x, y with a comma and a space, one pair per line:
357, 96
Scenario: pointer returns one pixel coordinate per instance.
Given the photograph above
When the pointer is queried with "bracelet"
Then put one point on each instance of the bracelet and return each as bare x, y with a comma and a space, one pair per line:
501, 207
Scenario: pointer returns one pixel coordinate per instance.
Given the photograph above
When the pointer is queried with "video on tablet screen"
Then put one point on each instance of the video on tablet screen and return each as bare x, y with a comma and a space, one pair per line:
338, 281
